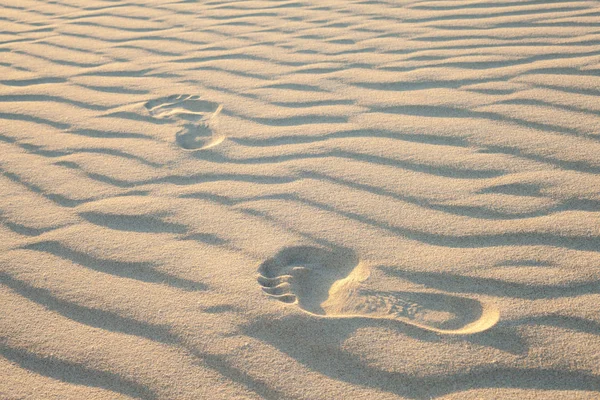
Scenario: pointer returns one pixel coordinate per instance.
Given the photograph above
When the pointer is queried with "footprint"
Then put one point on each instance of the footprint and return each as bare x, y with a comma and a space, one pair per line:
198, 119
329, 283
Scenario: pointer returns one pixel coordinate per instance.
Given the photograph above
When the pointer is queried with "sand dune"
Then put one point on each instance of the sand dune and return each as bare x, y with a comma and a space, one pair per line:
299, 199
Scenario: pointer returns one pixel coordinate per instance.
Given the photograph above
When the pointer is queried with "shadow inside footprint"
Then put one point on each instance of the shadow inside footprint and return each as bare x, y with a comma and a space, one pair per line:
196, 136
329, 283
198, 119
304, 274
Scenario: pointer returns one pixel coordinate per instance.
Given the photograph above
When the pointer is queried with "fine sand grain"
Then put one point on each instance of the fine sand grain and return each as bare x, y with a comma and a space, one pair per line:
313, 199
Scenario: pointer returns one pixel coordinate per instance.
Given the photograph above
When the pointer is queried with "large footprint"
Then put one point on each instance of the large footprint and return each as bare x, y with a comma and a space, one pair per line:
198, 119
327, 283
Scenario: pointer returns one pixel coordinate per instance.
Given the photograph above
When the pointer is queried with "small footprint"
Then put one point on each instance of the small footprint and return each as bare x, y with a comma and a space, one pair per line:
198, 119
328, 283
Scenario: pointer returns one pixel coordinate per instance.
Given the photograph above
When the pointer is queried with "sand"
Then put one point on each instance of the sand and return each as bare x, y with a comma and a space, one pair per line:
314, 199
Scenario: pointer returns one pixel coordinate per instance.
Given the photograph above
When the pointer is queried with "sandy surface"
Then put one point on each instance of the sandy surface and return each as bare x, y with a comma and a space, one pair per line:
312, 199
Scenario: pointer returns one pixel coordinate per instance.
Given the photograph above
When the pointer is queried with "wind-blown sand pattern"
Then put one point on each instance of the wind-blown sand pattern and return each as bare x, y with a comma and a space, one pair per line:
314, 199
